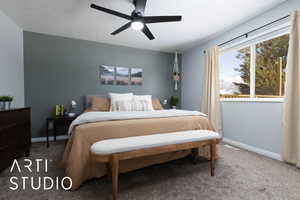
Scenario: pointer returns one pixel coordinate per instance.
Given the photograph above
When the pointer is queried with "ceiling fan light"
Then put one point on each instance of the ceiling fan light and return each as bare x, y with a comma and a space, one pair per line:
137, 25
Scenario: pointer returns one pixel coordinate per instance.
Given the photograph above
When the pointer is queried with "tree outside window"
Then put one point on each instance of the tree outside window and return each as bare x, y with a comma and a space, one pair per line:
269, 68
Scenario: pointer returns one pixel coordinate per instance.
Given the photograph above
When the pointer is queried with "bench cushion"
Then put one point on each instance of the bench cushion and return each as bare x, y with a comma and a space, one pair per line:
119, 145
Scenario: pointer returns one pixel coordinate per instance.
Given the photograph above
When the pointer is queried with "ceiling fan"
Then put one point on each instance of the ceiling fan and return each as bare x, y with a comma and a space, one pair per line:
137, 19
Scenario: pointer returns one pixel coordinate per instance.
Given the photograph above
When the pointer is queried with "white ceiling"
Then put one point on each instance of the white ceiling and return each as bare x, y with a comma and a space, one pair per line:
75, 19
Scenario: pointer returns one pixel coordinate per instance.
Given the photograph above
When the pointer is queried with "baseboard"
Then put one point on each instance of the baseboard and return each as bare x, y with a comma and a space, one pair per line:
253, 149
225, 140
51, 138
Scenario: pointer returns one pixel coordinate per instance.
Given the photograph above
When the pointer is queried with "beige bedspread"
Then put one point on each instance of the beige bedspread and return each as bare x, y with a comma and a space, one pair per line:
76, 160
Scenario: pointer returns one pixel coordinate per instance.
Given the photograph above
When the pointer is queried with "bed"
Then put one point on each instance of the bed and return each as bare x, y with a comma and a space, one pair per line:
80, 167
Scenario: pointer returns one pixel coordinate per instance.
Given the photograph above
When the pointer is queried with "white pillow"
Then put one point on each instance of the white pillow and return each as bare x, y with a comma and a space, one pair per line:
123, 105
121, 102
142, 103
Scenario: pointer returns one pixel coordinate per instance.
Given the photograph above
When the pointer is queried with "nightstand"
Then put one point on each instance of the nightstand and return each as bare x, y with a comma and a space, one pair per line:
59, 123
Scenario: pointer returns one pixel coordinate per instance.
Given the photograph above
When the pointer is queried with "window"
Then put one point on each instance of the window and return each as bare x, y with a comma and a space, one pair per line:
256, 70
235, 73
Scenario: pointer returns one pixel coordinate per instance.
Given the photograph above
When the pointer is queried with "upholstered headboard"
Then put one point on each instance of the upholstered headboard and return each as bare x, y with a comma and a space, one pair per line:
87, 101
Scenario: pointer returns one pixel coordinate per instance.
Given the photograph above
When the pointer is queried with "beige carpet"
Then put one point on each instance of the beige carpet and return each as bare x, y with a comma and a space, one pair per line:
239, 175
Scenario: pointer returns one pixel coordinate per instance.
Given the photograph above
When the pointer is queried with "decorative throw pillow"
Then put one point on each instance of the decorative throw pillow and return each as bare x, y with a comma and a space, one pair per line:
156, 104
100, 103
123, 105
142, 103
116, 100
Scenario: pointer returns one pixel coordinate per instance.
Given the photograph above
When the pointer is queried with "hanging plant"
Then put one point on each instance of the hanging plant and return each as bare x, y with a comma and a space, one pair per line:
176, 76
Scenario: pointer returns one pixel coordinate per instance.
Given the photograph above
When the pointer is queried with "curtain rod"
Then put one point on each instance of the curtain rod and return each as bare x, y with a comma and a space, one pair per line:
256, 29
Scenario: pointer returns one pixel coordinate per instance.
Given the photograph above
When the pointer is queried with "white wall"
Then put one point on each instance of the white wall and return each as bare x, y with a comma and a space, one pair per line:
255, 124
11, 60
252, 123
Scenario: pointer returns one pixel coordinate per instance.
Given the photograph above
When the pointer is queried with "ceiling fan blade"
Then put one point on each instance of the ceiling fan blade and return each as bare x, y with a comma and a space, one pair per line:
158, 19
112, 12
140, 5
122, 28
148, 32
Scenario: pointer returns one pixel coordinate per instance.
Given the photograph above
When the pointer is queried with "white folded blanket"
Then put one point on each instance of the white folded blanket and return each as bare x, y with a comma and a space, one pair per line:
90, 117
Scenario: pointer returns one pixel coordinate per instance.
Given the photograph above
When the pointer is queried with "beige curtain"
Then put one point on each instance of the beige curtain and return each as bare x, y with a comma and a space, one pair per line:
291, 117
211, 90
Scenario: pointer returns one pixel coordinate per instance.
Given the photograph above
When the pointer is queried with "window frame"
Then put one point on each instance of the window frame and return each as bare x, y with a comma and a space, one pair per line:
252, 44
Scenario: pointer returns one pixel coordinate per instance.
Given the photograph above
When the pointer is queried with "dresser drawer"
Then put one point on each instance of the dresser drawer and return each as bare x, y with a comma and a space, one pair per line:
3, 139
15, 135
7, 117
24, 139
5, 159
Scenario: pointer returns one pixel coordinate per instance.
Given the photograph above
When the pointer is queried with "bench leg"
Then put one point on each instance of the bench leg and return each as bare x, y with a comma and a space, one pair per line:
213, 145
114, 169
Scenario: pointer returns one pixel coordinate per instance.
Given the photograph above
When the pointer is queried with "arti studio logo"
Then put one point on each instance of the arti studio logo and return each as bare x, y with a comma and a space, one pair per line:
37, 182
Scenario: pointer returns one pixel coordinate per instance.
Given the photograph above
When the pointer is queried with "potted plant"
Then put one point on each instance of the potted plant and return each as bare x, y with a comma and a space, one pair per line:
5, 102
174, 102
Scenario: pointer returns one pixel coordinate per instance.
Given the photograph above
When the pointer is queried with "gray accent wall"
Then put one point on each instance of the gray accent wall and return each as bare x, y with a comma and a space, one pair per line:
11, 60
257, 124
58, 70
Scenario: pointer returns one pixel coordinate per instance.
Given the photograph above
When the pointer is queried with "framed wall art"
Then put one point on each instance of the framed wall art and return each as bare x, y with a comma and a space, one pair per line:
122, 75
107, 75
136, 76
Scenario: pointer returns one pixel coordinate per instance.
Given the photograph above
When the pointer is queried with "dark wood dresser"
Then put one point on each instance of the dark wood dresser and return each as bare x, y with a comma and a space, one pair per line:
15, 135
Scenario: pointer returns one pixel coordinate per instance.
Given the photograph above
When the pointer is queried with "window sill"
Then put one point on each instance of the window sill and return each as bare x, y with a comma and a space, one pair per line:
263, 100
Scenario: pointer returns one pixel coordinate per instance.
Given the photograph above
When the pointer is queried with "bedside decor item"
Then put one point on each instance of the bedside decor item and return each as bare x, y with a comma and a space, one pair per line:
174, 102
72, 107
107, 75
5, 102
122, 75
176, 75
71, 115
136, 76
165, 101
59, 110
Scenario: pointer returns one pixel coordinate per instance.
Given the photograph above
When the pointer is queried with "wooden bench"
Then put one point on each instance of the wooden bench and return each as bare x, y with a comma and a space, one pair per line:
111, 151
